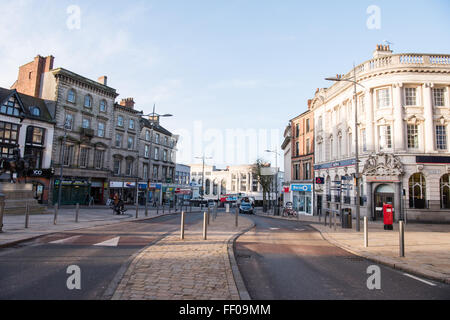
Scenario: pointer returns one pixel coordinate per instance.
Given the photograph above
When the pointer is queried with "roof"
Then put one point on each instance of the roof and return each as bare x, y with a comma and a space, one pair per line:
28, 102
156, 126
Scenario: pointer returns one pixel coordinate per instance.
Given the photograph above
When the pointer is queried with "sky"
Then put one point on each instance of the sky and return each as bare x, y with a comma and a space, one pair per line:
232, 73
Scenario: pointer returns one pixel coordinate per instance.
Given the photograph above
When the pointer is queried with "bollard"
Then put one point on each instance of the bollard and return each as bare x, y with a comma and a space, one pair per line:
209, 213
237, 217
2, 210
27, 215
77, 212
334, 220
146, 208
190, 207
182, 226
366, 233
401, 229
163, 209
55, 218
205, 227
137, 210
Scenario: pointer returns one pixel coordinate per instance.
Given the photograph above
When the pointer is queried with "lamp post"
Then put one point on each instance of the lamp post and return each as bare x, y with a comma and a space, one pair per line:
154, 117
355, 96
276, 177
203, 158
61, 162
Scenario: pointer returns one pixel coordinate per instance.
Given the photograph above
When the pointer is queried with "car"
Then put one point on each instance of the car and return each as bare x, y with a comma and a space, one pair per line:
246, 208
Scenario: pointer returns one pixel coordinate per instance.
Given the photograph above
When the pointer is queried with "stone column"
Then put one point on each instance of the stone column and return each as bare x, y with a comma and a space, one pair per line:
398, 132
397, 201
428, 115
368, 101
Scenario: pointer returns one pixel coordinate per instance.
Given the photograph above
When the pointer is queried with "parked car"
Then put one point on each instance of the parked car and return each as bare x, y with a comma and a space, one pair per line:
246, 207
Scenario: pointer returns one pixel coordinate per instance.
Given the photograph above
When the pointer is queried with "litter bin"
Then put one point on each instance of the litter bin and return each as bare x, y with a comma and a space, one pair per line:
346, 218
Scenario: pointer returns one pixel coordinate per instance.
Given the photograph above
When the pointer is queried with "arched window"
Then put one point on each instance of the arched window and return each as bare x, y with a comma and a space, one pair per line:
223, 188
87, 101
207, 186
215, 188
417, 189
71, 96
445, 191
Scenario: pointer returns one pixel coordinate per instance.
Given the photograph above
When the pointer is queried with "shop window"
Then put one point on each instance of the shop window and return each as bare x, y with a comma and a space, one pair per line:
445, 191
417, 190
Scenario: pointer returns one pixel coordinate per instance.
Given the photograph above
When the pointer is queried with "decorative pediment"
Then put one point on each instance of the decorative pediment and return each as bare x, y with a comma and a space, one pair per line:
383, 164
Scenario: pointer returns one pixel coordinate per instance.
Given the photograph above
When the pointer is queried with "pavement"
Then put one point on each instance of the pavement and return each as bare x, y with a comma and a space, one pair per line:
14, 230
189, 269
427, 246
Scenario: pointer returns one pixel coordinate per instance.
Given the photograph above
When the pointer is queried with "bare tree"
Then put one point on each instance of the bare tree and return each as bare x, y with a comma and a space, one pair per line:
264, 180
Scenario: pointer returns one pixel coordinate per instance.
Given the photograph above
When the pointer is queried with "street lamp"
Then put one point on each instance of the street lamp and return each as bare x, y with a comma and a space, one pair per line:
203, 158
153, 116
276, 177
355, 83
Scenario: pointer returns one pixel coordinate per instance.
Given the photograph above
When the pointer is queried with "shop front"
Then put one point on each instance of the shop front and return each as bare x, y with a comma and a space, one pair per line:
302, 198
40, 178
72, 192
98, 191
168, 194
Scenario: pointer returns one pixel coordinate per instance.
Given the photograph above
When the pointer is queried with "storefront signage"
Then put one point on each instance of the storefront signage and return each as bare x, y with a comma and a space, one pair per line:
72, 183
382, 179
433, 159
36, 173
320, 180
286, 189
114, 184
336, 164
129, 184
301, 187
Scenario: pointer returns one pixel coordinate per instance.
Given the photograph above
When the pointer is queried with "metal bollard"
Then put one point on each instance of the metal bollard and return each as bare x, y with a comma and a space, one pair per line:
146, 208
401, 229
55, 218
77, 212
182, 226
137, 210
334, 220
209, 213
205, 226
366, 233
27, 215
2, 210
157, 209
237, 217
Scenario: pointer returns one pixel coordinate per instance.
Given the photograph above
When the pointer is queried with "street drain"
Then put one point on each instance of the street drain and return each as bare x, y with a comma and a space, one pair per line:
244, 256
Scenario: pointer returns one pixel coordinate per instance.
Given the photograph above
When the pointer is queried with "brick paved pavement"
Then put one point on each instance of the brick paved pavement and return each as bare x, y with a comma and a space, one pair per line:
190, 269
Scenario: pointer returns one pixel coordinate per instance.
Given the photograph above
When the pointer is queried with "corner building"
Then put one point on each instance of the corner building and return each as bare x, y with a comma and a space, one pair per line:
403, 133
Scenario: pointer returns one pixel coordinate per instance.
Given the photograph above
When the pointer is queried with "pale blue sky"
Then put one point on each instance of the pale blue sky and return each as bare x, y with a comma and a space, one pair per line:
231, 64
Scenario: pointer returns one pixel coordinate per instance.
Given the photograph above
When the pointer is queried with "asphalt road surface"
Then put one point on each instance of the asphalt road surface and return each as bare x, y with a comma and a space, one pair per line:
38, 269
289, 260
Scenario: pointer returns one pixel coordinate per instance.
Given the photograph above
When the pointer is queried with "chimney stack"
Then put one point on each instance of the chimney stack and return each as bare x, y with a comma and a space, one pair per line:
103, 80
382, 51
128, 102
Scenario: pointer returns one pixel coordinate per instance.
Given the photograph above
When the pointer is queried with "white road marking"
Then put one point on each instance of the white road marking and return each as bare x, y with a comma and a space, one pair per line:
109, 243
299, 229
424, 281
274, 228
65, 240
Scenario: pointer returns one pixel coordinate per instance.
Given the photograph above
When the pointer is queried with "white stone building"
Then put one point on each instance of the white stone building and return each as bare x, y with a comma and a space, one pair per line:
232, 180
403, 133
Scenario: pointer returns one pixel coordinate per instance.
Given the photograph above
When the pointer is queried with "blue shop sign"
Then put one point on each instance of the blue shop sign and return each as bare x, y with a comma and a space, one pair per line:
301, 187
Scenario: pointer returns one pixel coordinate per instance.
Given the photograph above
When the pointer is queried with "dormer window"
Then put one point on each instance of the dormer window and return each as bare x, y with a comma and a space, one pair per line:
10, 107
35, 111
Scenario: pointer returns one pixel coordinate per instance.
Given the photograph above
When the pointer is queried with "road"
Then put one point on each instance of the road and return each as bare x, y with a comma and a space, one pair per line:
38, 269
289, 260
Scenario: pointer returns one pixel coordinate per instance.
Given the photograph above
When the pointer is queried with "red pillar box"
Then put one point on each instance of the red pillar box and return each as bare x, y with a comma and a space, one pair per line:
388, 217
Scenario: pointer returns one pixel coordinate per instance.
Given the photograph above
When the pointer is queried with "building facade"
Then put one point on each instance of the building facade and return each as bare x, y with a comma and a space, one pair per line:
403, 134
27, 126
301, 188
232, 180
